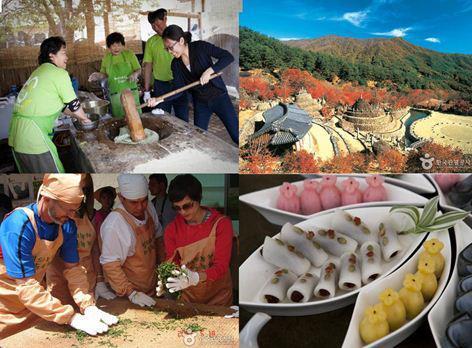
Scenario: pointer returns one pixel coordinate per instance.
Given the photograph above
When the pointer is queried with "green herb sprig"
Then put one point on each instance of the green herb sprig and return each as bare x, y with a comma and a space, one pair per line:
164, 271
428, 220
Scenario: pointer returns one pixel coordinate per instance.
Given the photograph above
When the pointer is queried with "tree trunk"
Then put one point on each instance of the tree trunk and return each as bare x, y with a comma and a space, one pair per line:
53, 29
90, 21
106, 18
67, 16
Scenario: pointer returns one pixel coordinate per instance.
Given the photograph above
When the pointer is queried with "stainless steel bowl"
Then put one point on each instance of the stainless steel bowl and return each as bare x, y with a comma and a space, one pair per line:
87, 127
99, 107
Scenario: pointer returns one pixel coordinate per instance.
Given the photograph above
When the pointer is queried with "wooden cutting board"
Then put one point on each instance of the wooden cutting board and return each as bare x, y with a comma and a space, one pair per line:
169, 324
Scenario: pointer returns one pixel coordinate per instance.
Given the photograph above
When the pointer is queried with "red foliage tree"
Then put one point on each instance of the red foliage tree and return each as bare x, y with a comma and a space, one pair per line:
349, 163
327, 112
298, 79
299, 162
444, 158
256, 87
283, 90
257, 159
244, 104
391, 161
317, 91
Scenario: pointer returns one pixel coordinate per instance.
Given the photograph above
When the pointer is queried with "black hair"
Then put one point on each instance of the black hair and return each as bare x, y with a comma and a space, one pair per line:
159, 178
52, 45
174, 32
108, 190
185, 185
160, 13
5, 202
115, 38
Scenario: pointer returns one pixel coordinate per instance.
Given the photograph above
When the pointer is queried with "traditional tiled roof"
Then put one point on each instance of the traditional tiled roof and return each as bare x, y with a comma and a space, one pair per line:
287, 123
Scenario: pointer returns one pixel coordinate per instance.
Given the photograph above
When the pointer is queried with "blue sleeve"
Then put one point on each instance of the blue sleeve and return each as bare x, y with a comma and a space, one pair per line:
224, 57
69, 252
17, 239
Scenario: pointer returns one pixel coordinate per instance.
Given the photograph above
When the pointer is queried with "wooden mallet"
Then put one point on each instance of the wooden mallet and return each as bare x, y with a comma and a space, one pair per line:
136, 130
181, 89
132, 118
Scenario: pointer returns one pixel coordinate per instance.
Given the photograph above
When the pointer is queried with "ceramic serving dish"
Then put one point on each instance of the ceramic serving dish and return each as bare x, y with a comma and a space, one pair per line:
443, 310
264, 201
369, 295
255, 271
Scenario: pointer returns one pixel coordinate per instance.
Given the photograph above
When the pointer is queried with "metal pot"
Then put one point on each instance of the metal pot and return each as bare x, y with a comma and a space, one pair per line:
99, 107
87, 127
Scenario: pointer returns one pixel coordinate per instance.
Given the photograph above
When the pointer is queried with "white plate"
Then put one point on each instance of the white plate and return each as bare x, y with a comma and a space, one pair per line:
265, 201
414, 182
369, 296
255, 271
443, 310
443, 200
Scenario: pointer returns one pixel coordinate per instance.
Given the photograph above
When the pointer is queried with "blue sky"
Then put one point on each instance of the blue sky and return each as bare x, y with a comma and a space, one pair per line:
441, 25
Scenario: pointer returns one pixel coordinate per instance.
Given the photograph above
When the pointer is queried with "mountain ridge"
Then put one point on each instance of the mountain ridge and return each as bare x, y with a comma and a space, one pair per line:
379, 59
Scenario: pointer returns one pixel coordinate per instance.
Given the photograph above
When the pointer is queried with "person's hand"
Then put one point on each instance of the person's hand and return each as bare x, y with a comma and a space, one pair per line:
141, 299
95, 76
101, 290
147, 96
206, 76
183, 280
84, 119
95, 314
160, 290
133, 77
92, 327
152, 102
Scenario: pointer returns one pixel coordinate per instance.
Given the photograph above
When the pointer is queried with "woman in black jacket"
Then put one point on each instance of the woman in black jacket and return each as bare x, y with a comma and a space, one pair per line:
193, 61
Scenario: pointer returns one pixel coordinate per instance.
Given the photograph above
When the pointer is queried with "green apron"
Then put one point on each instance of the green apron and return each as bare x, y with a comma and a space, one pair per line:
33, 135
117, 82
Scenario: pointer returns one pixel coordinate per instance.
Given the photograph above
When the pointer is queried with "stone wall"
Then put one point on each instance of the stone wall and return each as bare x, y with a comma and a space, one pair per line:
383, 123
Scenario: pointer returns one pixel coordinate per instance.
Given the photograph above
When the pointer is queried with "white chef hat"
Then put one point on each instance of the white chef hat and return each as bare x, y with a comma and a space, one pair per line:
133, 186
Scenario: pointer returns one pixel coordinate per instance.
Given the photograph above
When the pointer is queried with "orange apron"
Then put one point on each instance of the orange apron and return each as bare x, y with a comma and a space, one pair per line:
14, 317
56, 282
140, 269
198, 257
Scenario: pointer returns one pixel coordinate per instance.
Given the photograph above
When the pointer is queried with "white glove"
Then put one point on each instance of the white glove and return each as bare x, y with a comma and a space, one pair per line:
101, 290
147, 96
160, 289
141, 299
184, 279
157, 111
92, 327
95, 314
233, 315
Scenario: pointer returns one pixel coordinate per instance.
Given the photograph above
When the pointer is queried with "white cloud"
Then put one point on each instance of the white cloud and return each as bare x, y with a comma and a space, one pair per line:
433, 39
289, 38
355, 18
399, 32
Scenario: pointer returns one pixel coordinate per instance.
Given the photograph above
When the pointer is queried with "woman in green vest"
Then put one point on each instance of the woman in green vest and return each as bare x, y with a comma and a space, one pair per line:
122, 69
46, 94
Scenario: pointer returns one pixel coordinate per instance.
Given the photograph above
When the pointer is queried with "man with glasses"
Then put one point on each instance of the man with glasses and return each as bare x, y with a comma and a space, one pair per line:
132, 242
30, 238
156, 63
200, 240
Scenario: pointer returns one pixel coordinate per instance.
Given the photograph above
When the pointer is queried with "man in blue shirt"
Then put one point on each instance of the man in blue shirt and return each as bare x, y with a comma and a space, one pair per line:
30, 238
